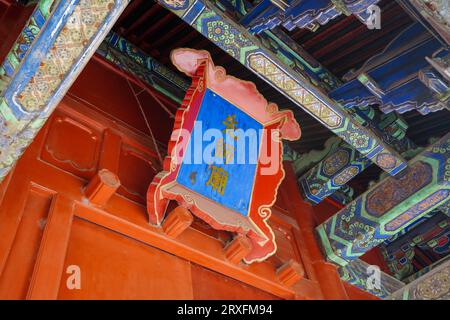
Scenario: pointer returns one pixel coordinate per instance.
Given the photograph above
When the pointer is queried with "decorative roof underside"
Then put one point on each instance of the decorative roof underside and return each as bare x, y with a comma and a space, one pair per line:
341, 45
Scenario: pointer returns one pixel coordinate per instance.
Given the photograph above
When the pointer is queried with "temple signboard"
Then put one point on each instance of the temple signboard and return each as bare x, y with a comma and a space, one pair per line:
224, 159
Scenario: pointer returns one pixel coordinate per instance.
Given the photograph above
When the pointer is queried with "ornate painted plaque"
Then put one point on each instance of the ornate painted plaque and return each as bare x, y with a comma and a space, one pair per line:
224, 159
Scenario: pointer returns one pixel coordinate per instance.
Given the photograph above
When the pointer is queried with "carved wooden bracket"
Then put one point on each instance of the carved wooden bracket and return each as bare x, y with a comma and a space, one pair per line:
290, 273
101, 187
177, 221
237, 249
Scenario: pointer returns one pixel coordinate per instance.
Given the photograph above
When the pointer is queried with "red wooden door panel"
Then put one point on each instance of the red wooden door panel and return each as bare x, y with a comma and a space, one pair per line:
113, 266
16, 276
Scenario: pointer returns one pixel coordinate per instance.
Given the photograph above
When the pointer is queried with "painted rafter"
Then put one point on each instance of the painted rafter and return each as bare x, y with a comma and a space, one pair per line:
425, 244
308, 14
433, 285
344, 163
28, 34
405, 76
357, 273
389, 207
51, 64
247, 49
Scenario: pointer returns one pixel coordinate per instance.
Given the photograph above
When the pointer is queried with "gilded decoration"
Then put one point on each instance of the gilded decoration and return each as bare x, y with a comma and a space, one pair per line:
81, 27
264, 66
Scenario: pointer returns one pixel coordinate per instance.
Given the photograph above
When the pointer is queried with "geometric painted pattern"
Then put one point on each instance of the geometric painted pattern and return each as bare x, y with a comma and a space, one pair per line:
66, 50
434, 285
344, 163
60, 50
389, 207
421, 247
207, 19
264, 66
285, 48
317, 184
356, 273
332, 173
27, 36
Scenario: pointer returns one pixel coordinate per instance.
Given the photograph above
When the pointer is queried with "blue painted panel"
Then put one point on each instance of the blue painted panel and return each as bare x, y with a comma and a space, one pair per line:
33, 59
194, 12
404, 65
397, 77
240, 175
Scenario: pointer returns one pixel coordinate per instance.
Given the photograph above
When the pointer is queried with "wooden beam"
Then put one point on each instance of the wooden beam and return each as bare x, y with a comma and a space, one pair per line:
431, 286
220, 29
33, 92
389, 207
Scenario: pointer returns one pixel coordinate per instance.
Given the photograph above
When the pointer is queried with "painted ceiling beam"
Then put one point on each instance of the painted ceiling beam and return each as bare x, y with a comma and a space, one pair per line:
413, 226
427, 243
405, 76
434, 285
389, 207
293, 55
433, 14
60, 50
358, 272
207, 19
285, 48
306, 14
305, 161
344, 163
335, 171
20, 48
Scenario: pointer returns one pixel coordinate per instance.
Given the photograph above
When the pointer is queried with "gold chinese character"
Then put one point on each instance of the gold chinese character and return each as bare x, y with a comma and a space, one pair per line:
230, 124
224, 150
218, 179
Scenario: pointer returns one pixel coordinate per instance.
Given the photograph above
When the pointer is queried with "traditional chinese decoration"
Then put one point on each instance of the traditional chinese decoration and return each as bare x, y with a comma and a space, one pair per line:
26, 38
434, 285
389, 207
424, 245
329, 175
435, 14
133, 60
356, 273
220, 29
422, 83
306, 14
51, 51
209, 176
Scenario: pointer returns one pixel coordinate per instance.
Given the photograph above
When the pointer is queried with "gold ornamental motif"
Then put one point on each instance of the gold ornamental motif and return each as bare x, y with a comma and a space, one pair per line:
262, 65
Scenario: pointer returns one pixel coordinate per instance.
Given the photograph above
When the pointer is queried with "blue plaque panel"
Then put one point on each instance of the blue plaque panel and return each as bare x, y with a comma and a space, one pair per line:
228, 178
